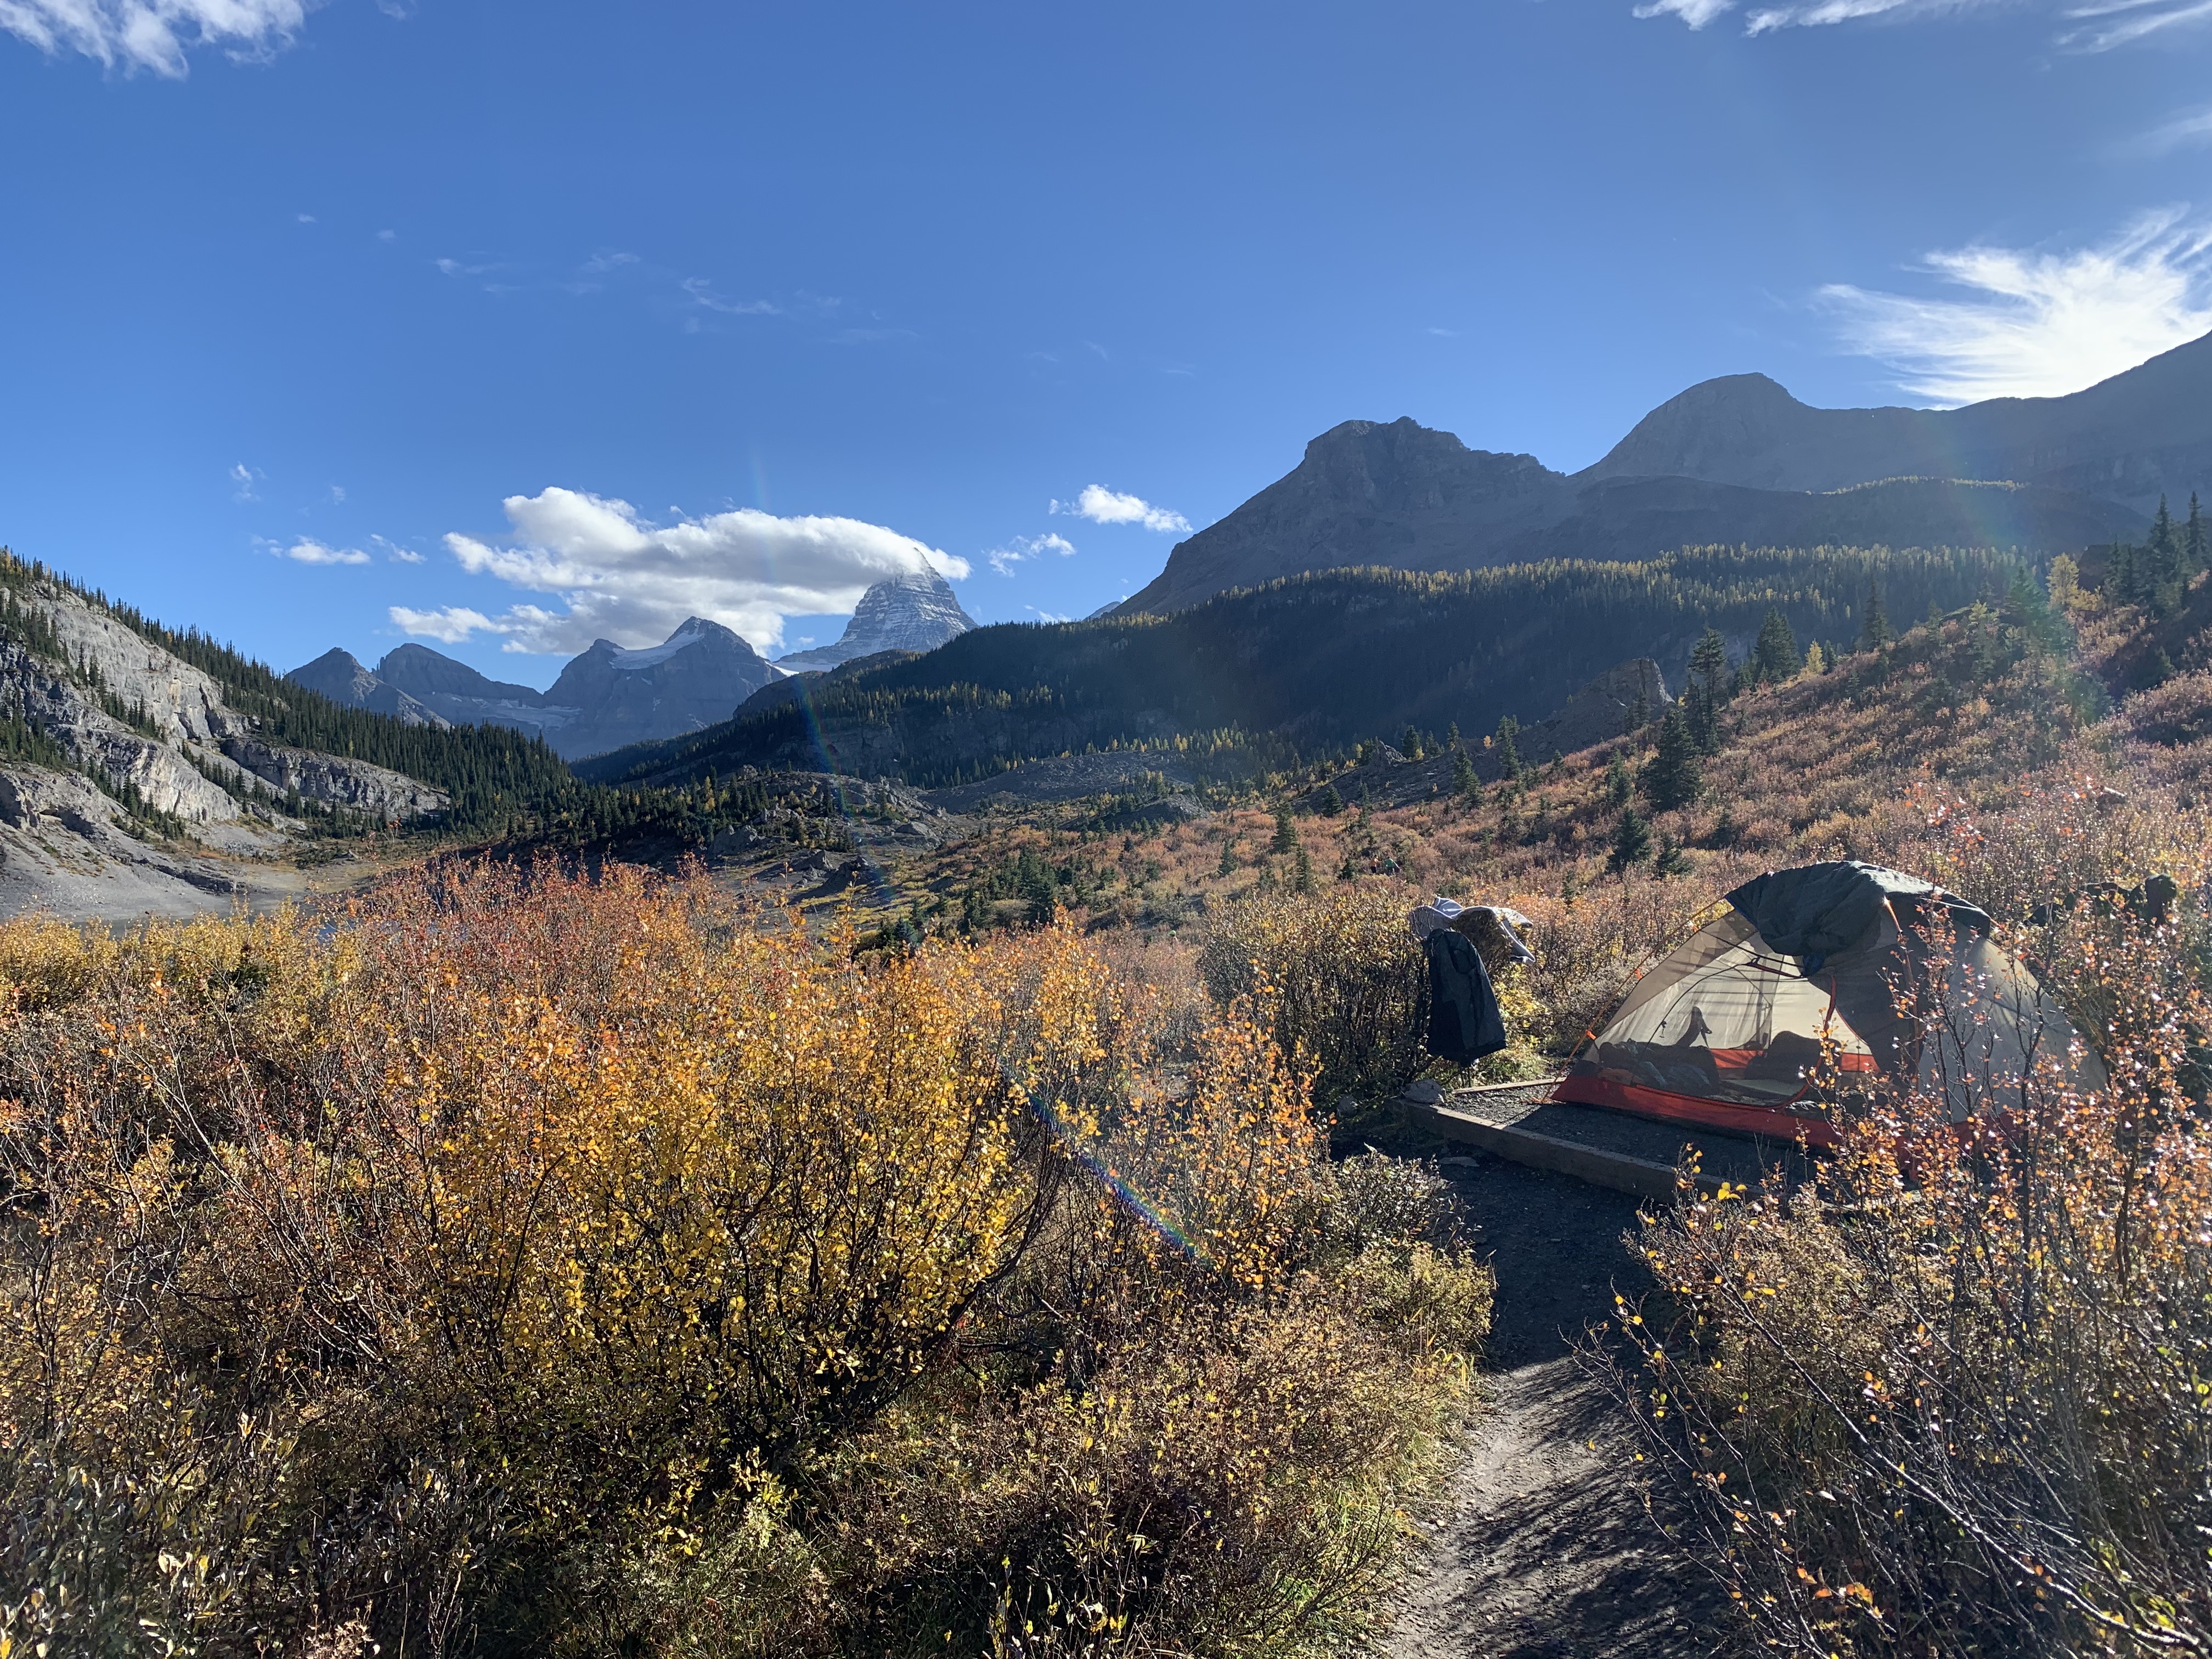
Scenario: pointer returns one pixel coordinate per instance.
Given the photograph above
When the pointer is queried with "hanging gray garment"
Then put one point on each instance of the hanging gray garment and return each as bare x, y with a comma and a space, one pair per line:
1465, 1022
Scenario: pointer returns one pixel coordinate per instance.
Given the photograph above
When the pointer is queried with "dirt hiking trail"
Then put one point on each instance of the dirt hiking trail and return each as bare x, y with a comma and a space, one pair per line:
1543, 1549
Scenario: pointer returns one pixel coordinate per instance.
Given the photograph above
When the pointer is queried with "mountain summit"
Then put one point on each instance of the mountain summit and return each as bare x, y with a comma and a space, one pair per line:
916, 611
1735, 459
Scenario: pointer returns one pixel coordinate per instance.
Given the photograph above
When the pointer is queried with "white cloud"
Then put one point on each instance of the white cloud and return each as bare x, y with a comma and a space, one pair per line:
397, 553
309, 550
241, 475
154, 34
453, 624
1004, 559
2042, 324
338, 493
627, 579
1102, 506
1047, 615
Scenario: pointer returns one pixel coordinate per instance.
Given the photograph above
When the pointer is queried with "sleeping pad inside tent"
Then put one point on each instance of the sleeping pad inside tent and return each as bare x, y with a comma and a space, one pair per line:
1894, 980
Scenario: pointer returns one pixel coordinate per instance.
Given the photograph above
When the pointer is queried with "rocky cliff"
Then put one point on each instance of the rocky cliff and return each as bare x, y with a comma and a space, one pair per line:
125, 768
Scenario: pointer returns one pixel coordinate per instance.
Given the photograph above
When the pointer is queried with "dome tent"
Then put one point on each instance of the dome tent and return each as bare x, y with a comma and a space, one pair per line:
1890, 978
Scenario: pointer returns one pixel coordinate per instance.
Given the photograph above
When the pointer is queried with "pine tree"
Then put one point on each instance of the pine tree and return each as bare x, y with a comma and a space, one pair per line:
1464, 782
1671, 778
2195, 555
1228, 865
1776, 654
2120, 585
1411, 744
1632, 840
1876, 633
1707, 690
1509, 752
2160, 576
1671, 860
1301, 881
1332, 800
1620, 786
1286, 832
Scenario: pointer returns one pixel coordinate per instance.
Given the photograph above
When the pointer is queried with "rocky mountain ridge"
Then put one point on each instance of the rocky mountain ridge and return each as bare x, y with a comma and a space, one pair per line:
605, 697
1735, 459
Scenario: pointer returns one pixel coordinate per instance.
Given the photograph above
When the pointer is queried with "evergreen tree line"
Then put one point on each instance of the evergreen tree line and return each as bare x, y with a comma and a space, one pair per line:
2155, 575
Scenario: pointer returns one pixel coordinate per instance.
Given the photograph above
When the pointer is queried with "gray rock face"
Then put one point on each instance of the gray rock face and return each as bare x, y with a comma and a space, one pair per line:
695, 678
128, 712
341, 677
1732, 460
917, 611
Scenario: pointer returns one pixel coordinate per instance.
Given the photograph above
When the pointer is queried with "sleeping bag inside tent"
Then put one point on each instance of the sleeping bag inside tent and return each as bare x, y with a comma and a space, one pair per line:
1894, 979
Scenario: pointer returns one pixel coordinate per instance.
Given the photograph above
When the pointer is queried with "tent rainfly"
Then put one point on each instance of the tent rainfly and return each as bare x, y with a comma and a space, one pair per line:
1895, 980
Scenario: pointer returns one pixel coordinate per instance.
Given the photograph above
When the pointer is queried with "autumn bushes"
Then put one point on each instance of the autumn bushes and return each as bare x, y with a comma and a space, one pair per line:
529, 1265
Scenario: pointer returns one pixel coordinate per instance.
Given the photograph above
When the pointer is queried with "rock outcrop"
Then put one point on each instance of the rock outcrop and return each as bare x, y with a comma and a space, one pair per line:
916, 611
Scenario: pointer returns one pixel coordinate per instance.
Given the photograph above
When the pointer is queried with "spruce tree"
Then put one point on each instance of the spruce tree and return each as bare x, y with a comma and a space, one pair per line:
1671, 778
1411, 744
1286, 832
2195, 555
1332, 800
1632, 840
1464, 781
1707, 690
1508, 753
2160, 577
1776, 654
1876, 633
1620, 786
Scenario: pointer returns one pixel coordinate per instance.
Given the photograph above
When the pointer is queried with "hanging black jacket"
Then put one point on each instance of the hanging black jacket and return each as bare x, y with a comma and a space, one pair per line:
1464, 1020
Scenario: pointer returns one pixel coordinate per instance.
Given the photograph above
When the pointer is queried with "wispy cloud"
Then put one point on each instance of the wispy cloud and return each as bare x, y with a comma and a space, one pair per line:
2040, 322
309, 550
626, 579
241, 475
2084, 27
702, 294
2133, 20
156, 34
397, 553
1004, 559
1047, 615
1696, 13
2194, 128
1102, 506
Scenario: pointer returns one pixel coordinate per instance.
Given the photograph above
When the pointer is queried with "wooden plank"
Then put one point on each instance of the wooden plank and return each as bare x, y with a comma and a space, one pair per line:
1615, 1170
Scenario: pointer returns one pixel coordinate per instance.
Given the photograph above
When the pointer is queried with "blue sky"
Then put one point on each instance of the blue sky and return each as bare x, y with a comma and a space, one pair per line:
514, 325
